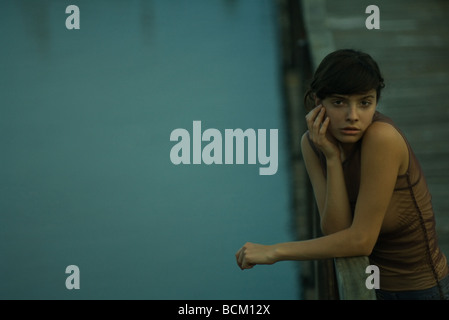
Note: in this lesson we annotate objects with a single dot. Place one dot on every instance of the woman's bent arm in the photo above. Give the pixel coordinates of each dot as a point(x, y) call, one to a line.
point(344, 243)
point(384, 155)
point(330, 193)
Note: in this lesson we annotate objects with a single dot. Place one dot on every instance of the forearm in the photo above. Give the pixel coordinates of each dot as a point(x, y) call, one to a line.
point(349, 242)
point(336, 213)
point(344, 243)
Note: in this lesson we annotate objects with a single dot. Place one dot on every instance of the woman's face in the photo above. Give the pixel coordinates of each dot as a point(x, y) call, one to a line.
point(350, 115)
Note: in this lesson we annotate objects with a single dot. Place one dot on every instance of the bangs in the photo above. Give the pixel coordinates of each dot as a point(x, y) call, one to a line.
point(344, 72)
point(346, 79)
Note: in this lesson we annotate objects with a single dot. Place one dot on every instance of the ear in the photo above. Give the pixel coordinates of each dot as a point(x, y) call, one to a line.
point(318, 101)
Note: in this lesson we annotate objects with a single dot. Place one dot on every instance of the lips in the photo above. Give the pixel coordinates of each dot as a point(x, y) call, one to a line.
point(350, 130)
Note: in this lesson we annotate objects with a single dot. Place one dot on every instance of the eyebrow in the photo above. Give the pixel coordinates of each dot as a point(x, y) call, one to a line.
point(346, 97)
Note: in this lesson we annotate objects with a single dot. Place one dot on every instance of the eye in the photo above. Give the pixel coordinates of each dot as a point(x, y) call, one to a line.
point(337, 102)
point(366, 103)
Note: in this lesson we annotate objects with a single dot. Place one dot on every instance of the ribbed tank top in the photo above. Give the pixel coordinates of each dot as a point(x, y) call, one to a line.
point(408, 255)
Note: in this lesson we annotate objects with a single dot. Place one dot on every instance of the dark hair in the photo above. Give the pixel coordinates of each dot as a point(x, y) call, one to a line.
point(344, 71)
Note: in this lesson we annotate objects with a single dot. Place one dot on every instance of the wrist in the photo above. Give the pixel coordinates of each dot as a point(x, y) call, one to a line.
point(331, 153)
point(280, 252)
point(333, 159)
point(276, 253)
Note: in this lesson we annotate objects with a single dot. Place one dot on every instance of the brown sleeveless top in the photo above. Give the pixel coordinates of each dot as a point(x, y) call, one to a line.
point(408, 256)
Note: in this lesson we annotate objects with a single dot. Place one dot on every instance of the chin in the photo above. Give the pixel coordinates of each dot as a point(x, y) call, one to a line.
point(349, 139)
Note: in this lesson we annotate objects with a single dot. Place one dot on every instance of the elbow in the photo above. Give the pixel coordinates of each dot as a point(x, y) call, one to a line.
point(359, 243)
point(363, 244)
point(366, 249)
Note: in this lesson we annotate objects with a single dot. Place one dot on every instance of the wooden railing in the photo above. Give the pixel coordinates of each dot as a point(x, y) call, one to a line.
point(351, 279)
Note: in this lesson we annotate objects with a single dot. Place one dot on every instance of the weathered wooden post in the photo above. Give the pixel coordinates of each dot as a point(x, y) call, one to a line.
point(351, 278)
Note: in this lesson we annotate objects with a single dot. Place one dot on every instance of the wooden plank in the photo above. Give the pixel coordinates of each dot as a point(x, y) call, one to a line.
point(351, 278)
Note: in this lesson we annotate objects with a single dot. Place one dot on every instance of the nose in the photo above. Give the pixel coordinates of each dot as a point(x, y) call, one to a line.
point(352, 115)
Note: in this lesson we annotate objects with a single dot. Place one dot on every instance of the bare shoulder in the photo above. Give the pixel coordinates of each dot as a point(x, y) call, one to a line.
point(305, 143)
point(310, 157)
point(383, 139)
point(306, 148)
point(304, 137)
point(383, 133)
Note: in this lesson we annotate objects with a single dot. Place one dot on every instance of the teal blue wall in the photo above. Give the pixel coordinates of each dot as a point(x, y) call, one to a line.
point(85, 171)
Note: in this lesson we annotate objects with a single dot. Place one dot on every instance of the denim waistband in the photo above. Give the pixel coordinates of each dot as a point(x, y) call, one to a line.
point(432, 293)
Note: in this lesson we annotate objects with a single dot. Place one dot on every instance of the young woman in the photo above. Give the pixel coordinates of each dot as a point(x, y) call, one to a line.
point(370, 191)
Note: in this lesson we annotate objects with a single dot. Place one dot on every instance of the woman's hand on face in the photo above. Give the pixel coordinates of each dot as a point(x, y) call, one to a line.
point(317, 125)
point(251, 254)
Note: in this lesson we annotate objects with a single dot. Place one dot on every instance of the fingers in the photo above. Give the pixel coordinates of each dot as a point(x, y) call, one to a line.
point(312, 115)
point(317, 123)
point(324, 126)
point(239, 258)
point(242, 259)
point(314, 118)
